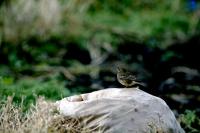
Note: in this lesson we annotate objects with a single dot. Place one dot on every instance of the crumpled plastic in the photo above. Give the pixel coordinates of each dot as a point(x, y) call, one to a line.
point(121, 110)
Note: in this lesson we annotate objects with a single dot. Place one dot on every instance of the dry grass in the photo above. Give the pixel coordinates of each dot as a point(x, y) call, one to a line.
point(40, 118)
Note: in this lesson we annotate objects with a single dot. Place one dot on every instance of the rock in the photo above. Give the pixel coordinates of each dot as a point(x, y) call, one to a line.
point(116, 110)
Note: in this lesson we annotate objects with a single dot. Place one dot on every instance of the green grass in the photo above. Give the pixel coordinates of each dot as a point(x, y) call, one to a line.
point(28, 90)
point(190, 121)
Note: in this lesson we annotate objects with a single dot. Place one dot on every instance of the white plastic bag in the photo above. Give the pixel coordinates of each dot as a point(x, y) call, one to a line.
point(121, 111)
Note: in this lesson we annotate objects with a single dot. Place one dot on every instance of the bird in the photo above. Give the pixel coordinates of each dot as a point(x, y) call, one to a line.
point(126, 78)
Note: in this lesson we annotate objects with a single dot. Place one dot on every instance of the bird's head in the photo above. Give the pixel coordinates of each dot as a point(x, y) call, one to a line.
point(121, 70)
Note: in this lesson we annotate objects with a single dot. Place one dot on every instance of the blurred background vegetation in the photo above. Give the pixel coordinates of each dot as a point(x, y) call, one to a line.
point(58, 48)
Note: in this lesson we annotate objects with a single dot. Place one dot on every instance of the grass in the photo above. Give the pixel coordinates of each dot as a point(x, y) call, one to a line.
point(40, 118)
point(13, 119)
point(190, 121)
point(29, 89)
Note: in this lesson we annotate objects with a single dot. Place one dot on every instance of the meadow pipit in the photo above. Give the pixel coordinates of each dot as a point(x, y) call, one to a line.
point(126, 78)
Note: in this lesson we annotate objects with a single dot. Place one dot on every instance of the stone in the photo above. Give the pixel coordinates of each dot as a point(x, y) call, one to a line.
point(121, 110)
